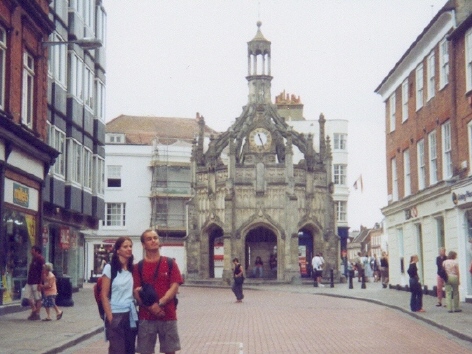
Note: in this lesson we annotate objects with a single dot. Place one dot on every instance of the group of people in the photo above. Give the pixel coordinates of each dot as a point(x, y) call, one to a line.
point(153, 284)
point(371, 268)
point(447, 278)
point(41, 288)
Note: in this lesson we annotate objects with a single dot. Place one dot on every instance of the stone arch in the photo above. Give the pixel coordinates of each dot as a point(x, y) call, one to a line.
point(261, 240)
point(310, 237)
point(212, 235)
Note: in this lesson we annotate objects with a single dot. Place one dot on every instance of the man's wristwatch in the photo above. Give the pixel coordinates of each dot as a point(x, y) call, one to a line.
point(161, 305)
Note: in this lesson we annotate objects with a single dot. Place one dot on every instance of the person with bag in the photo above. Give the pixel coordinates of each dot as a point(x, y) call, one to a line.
point(33, 283)
point(156, 283)
point(416, 300)
point(441, 277)
point(117, 299)
point(451, 266)
point(238, 276)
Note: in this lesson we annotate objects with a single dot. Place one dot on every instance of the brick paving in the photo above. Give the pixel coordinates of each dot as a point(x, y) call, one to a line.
point(271, 319)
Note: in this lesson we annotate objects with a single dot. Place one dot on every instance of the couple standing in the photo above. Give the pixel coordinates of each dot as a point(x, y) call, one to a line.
point(122, 283)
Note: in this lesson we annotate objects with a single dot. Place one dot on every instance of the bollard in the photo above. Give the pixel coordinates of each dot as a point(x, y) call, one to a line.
point(351, 275)
point(332, 278)
point(363, 279)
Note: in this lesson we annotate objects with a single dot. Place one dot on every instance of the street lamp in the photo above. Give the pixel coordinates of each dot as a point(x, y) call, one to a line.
point(85, 43)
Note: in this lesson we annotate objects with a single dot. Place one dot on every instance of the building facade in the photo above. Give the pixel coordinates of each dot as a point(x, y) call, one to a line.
point(25, 156)
point(428, 109)
point(261, 202)
point(147, 185)
point(73, 190)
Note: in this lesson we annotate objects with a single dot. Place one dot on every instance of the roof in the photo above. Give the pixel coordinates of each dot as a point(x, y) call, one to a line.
point(449, 6)
point(141, 130)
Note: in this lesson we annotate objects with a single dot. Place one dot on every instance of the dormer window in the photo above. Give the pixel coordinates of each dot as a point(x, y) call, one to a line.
point(115, 138)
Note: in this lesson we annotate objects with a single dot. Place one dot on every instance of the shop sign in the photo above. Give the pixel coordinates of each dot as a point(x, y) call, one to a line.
point(65, 238)
point(20, 195)
point(462, 196)
point(109, 240)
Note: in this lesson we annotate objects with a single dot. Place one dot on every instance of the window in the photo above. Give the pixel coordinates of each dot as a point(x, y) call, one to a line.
point(88, 87)
point(113, 176)
point(394, 179)
point(57, 140)
point(88, 168)
point(405, 100)
point(340, 141)
point(433, 158)
point(446, 150)
point(406, 173)
point(114, 138)
point(115, 214)
point(431, 76)
point(401, 249)
point(101, 25)
point(392, 111)
point(469, 129)
point(99, 175)
point(100, 100)
point(340, 174)
point(468, 59)
point(76, 77)
point(57, 60)
point(419, 86)
point(443, 63)
point(440, 231)
point(341, 211)
point(3, 55)
point(27, 90)
point(74, 154)
point(421, 165)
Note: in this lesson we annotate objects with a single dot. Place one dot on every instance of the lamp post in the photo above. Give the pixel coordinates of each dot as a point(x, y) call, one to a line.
point(85, 43)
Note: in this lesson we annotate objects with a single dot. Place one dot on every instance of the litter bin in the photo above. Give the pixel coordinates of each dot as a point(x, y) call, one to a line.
point(64, 292)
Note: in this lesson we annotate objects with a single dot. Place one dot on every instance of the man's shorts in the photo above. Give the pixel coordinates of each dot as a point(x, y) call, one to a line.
point(32, 292)
point(168, 336)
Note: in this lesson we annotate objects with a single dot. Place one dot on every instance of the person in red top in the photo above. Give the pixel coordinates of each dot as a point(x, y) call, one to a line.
point(160, 318)
point(32, 287)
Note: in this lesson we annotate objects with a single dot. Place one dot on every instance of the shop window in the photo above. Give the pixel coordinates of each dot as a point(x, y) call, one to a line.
point(102, 255)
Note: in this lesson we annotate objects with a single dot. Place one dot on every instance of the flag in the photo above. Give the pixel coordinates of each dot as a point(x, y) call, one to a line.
point(358, 184)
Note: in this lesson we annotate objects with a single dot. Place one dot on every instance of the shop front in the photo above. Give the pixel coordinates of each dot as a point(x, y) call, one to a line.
point(20, 225)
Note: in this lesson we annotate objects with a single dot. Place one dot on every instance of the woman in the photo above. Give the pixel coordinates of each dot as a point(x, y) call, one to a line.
point(238, 276)
point(451, 266)
point(117, 299)
point(258, 265)
point(416, 301)
point(440, 282)
point(49, 288)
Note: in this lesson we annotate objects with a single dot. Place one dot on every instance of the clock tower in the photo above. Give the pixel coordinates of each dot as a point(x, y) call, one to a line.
point(251, 199)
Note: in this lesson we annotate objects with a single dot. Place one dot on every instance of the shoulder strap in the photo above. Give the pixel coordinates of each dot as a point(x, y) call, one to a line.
point(141, 265)
point(170, 264)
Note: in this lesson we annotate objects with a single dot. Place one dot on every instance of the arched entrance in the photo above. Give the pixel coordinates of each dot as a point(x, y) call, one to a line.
point(261, 242)
point(215, 252)
point(305, 252)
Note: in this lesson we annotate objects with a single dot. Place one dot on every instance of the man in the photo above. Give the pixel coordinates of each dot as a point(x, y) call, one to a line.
point(160, 318)
point(317, 263)
point(33, 283)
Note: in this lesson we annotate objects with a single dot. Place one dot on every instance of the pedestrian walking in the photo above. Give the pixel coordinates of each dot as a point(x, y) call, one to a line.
point(441, 275)
point(359, 266)
point(451, 266)
point(33, 283)
point(49, 289)
point(117, 299)
point(317, 262)
point(416, 300)
point(384, 269)
point(238, 280)
point(156, 283)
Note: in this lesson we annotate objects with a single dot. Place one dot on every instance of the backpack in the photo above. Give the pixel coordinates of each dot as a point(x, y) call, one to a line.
point(170, 265)
point(97, 292)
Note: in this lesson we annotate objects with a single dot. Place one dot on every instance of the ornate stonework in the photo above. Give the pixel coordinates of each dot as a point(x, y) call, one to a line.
point(258, 202)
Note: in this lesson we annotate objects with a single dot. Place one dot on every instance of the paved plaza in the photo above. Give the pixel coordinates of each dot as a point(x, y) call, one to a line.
point(271, 319)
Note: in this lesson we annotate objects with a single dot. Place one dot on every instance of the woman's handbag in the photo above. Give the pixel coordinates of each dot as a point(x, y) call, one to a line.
point(239, 280)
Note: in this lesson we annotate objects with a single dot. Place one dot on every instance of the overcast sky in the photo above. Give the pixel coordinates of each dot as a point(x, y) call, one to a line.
point(176, 58)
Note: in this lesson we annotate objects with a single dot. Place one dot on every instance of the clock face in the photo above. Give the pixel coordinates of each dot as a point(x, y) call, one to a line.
point(260, 139)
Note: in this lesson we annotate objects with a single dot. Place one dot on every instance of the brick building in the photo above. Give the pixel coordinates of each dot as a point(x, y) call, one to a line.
point(428, 106)
point(25, 156)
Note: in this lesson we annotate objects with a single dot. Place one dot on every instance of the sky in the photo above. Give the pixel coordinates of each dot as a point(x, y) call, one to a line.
point(176, 58)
